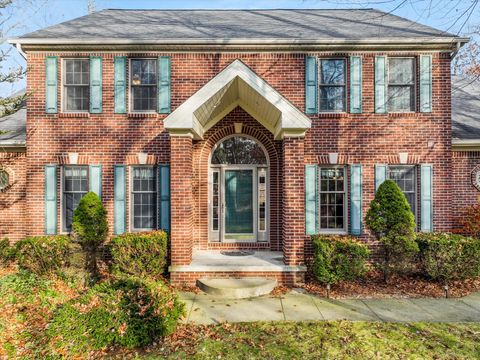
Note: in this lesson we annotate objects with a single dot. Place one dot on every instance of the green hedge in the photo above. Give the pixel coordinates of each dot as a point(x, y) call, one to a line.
point(446, 257)
point(42, 254)
point(338, 258)
point(7, 252)
point(130, 312)
point(140, 254)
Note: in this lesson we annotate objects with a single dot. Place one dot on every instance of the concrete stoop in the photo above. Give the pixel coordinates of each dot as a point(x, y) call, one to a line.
point(237, 288)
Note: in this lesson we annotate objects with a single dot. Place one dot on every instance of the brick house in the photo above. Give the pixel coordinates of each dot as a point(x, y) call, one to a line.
point(235, 130)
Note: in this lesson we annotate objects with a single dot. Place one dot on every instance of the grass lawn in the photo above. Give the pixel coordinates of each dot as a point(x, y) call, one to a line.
point(27, 302)
point(317, 340)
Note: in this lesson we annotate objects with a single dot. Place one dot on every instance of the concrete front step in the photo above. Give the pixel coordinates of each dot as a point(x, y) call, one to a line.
point(237, 288)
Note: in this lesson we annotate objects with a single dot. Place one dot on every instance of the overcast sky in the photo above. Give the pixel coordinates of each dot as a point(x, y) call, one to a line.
point(456, 16)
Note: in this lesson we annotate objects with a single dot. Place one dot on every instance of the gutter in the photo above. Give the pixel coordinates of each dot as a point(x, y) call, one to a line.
point(18, 45)
point(466, 144)
point(240, 41)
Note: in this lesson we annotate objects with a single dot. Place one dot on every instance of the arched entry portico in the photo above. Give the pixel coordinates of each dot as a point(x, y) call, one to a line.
point(238, 191)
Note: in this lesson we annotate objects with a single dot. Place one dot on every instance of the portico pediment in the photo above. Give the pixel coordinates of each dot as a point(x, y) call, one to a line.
point(237, 85)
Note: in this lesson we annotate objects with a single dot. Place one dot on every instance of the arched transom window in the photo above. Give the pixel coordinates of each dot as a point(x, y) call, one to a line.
point(239, 150)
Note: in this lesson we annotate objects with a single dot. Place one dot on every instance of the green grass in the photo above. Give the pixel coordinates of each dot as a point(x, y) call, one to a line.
point(324, 340)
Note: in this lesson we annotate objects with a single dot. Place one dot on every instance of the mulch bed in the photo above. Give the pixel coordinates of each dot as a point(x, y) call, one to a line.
point(373, 286)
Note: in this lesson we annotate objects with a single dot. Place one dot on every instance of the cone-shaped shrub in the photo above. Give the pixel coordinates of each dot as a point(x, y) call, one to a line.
point(90, 228)
point(392, 222)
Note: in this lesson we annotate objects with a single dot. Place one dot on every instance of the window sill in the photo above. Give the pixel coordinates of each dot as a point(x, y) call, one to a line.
point(332, 232)
point(74, 115)
point(332, 115)
point(142, 115)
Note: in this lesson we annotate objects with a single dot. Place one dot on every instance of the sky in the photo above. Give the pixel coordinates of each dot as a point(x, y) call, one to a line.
point(455, 16)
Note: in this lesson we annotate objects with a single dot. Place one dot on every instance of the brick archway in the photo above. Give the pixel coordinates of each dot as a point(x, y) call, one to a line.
point(201, 155)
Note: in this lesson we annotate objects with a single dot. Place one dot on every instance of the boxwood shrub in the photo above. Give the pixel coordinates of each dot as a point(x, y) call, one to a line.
point(43, 254)
point(140, 254)
point(7, 252)
point(445, 257)
point(338, 258)
point(129, 312)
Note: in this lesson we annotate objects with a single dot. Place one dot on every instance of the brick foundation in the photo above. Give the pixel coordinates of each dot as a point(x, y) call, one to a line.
point(283, 278)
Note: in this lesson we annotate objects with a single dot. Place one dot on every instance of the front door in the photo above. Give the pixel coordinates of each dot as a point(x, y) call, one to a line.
point(238, 195)
point(238, 204)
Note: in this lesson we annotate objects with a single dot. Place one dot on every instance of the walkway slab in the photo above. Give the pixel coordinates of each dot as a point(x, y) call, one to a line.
point(208, 310)
point(448, 310)
point(354, 310)
point(296, 306)
point(398, 310)
point(300, 307)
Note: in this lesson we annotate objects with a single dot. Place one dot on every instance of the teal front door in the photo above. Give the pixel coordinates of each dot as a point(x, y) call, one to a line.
point(239, 204)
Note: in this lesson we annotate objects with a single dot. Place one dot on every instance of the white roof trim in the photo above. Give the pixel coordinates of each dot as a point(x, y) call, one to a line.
point(292, 122)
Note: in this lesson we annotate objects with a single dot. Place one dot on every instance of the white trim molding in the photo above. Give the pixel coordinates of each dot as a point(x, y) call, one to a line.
point(466, 144)
point(189, 118)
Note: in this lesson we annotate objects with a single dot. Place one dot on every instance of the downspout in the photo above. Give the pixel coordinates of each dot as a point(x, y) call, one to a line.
point(19, 48)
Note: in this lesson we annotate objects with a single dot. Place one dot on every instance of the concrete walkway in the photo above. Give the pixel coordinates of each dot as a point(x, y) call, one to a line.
point(299, 306)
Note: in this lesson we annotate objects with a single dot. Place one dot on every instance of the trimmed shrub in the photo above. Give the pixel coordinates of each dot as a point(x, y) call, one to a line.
point(7, 252)
point(338, 258)
point(445, 257)
point(43, 254)
point(90, 228)
point(130, 312)
point(390, 219)
point(140, 254)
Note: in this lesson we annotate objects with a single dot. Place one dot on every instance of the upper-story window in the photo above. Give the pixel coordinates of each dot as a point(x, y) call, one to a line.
point(143, 82)
point(332, 85)
point(76, 84)
point(401, 84)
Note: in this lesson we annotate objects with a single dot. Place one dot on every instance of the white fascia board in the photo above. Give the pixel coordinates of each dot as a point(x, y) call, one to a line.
point(237, 41)
point(182, 117)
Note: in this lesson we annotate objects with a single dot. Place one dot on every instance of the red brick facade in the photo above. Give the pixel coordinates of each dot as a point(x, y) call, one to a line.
point(12, 198)
point(109, 139)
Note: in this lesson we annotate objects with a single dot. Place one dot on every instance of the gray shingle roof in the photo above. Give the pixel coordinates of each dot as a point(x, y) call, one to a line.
point(15, 125)
point(254, 25)
point(465, 109)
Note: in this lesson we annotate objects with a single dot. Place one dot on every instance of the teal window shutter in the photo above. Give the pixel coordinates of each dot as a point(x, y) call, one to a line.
point(163, 212)
point(95, 85)
point(50, 199)
point(96, 179)
point(119, 199)
point(120, 84)
point(426, 83)
point(380, 175)
point(164, 85)
point(311, 88)
point(381, 84)
point(356, 84)
point(311, 199)
point(426, 198)
point(51, 80)
point(356, 199)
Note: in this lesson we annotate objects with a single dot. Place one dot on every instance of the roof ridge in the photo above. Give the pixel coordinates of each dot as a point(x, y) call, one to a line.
point(264, 9)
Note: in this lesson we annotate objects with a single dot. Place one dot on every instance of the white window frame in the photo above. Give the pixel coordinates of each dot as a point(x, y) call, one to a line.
point(130, 92)
point(345, 201)
point(63, 209)
point(130, 197)
point(415, 69)
point(63, 93)
point(319, 85)
point(415, 184)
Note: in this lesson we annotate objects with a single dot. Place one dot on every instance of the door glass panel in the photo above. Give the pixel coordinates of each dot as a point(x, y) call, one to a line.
point(262, 199)
point(215, 200)
point(239, 201)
